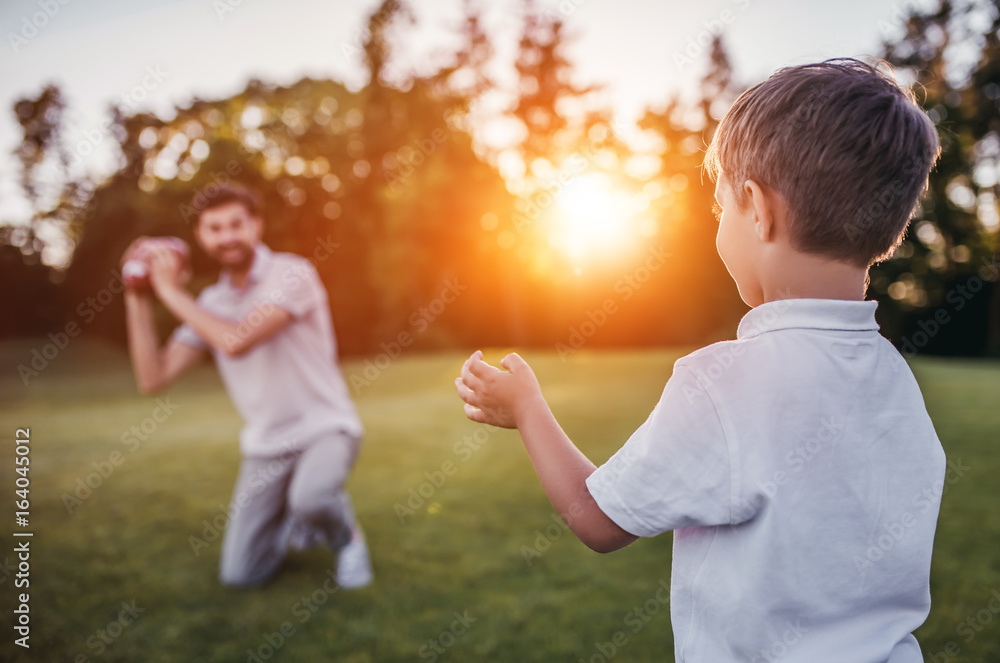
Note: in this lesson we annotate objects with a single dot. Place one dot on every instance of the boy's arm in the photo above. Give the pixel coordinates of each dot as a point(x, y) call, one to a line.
point(513, 399)
point(228, 337)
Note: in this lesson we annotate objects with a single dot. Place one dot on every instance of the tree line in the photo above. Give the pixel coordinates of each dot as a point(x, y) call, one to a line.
point(389, 192)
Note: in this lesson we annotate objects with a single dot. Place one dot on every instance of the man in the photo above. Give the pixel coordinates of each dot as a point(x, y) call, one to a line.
point(267, 324)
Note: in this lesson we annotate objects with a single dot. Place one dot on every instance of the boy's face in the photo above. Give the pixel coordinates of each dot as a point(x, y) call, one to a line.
point(228, 234)
point(737, 241)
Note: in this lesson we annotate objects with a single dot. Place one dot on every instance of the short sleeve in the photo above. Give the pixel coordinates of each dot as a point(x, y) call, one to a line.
point(297, 287)
point(675, 471)
point(185, 333)
point(188, 336)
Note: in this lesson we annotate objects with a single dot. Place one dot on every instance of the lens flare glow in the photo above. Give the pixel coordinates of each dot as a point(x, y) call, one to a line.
point(593, 218)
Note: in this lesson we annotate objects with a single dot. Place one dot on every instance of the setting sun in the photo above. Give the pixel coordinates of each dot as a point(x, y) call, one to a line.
point(593, 217)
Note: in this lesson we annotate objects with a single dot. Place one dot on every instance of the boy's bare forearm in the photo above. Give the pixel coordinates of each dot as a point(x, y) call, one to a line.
point(513, 399)
point(562, 470)
point(560, 466)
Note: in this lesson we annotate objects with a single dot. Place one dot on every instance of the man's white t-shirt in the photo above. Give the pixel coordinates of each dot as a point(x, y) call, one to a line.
point(802, 477)
point(289, 388)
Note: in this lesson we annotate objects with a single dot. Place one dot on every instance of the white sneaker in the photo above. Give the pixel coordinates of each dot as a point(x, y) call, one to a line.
point(354, 567)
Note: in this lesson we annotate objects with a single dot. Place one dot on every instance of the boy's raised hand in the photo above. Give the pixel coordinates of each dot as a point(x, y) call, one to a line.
point(497, 397)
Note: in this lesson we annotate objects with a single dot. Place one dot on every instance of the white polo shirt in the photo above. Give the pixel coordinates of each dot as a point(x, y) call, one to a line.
point(289, 388)
point(802, 477)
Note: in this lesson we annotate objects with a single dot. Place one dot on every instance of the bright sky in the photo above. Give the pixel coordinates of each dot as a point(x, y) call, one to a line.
point(161, 53)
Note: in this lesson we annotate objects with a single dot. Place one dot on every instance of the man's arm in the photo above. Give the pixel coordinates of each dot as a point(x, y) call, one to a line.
point(513, 399)
point(154, 369)
point(232, 338)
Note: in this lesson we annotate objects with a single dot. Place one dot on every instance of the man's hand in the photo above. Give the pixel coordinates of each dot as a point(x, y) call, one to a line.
point(132, 249)
point(497, 397)
point(166, 269)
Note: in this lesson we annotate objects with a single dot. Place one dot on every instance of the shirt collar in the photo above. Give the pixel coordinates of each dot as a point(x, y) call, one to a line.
point(258, 268)
point(831, 314)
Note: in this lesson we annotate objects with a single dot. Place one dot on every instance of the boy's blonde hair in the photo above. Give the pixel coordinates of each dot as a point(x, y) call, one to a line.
point(848, 149)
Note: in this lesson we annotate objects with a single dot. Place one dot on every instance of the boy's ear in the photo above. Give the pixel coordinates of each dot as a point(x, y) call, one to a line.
point(762, 206)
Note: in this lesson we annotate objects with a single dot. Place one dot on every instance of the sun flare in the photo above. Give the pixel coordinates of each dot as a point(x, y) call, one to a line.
point(593, 218)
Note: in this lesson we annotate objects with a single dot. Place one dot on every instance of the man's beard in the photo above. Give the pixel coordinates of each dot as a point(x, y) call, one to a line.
point(226, 256)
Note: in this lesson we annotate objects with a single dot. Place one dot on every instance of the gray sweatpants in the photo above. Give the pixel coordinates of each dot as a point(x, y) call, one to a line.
point(274, 497)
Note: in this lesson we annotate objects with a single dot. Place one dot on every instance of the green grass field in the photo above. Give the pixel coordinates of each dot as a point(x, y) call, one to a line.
point(452, 579)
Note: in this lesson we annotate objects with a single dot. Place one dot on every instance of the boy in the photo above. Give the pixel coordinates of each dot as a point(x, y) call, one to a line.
point(267, 324)
point(797, 465)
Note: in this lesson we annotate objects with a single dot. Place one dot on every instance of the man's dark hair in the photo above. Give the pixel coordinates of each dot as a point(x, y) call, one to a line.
point(213, 196)
point(847, 148)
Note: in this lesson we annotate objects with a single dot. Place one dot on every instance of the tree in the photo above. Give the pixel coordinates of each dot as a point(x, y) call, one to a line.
point(27, 254)
point(380, 187)
point(54, 195)
point(700, 286)
point(956, 234)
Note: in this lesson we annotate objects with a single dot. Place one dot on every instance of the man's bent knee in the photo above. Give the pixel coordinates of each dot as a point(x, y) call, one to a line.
point(316, 508)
